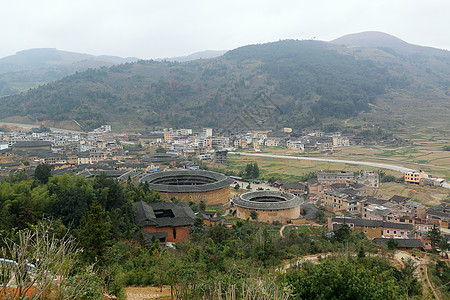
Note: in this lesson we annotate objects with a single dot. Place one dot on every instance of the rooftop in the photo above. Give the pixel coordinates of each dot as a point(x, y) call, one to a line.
point(186, 181)
point(163, 214)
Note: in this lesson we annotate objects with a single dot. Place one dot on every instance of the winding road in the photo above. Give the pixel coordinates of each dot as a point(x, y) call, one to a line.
point(352, 162)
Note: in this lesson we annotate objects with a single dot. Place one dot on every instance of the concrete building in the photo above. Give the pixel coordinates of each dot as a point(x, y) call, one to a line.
point(330, 177)
point(414, 177)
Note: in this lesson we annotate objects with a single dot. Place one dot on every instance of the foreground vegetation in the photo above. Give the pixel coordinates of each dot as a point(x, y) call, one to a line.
point(95, 217)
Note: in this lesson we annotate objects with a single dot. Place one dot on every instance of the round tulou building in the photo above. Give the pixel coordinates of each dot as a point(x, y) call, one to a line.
point(191, 185)
point(270, 205)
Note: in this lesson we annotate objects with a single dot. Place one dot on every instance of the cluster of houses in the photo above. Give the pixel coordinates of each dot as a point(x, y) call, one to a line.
point(351, 199)
point(308, 140)
point(101, 150)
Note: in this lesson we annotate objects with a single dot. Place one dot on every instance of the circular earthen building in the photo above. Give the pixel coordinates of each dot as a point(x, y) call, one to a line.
point(189, 185)
point(270, 206)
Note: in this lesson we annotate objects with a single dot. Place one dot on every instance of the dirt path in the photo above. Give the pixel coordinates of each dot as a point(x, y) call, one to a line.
point(145, 293)
point(429, 282)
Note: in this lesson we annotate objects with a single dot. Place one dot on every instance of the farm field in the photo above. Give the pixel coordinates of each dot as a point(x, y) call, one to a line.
point(427, 156)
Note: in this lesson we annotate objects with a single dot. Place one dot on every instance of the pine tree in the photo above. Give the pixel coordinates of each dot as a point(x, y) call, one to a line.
point(434, 234)
point(94, 234)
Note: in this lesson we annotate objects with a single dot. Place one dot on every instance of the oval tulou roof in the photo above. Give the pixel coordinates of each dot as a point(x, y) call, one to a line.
point(208, 181)
point(281, 200)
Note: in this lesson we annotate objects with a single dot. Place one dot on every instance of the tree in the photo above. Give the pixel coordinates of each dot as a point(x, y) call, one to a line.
point(255, 169)
point(94, 234)
point(361, 253)
point(254, 215)
point(237, 186)
point(342, 233)
point(434, 235)
point(392, 244)
point(199, 226)
point(42, 173)
point(249, 187)
point(386, 178)
point(160, 150)
point(202, 206)
point(345, 279)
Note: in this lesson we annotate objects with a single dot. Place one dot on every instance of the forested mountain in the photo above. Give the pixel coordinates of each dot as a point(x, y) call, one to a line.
point(29, 68)
point(376, 39)
point(197, 55)
point(301, 83)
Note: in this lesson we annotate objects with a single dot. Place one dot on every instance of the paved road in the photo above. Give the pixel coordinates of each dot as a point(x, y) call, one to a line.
point(352, 162)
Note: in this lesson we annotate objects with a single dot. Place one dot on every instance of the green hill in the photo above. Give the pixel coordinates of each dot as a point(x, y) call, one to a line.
point(287, 83)
point(33, 67)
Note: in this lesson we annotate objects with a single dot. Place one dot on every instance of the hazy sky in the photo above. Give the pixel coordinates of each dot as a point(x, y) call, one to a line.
point(166, 28)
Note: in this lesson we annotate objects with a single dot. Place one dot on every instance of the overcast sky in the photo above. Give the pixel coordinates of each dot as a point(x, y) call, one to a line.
point(167, 28)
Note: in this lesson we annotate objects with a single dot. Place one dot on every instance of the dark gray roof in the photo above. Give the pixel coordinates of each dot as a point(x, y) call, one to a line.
point(338, 186)
point(310, 211)
point(412, 204)
point(373, 223)
point(160, 157)
point(399, 199)
point(402, 243)
point(108, 173)
point(32, 144)
point(145, 214)
point(294, 186)
point(204, 216)
point(312, 181)
point(281, 200)
point(441, 210)
point(356, 185)
point(206, 181)
point(373, 200)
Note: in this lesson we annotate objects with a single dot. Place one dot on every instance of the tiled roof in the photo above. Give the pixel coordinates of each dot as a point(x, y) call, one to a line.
point(399, 199)
point(294, 186)
point(402, 243)
point(441, 210)
point(373, 223)
point(145, 214)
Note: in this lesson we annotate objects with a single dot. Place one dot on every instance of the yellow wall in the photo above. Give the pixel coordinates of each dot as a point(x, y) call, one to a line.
point(268, 216)
point(213, 197)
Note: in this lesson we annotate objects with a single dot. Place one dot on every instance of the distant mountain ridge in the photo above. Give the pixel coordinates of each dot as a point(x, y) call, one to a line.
point(197, 55)
point(38, 58)
point(289, 83)
point(29, 68)
point(376, 39)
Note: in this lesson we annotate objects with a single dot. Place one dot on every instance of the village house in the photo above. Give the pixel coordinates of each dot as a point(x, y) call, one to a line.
point(338, 202)
point(441, 213)
point(296, 188)
point(167, 221)
point(414, 177)
point(329, 177)
point(373, 228)
point(209, 218)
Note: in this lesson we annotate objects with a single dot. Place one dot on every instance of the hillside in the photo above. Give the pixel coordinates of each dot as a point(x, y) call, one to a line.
point(376, 39)
point(30, 68)
point(197, 55)
point(287, 83)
